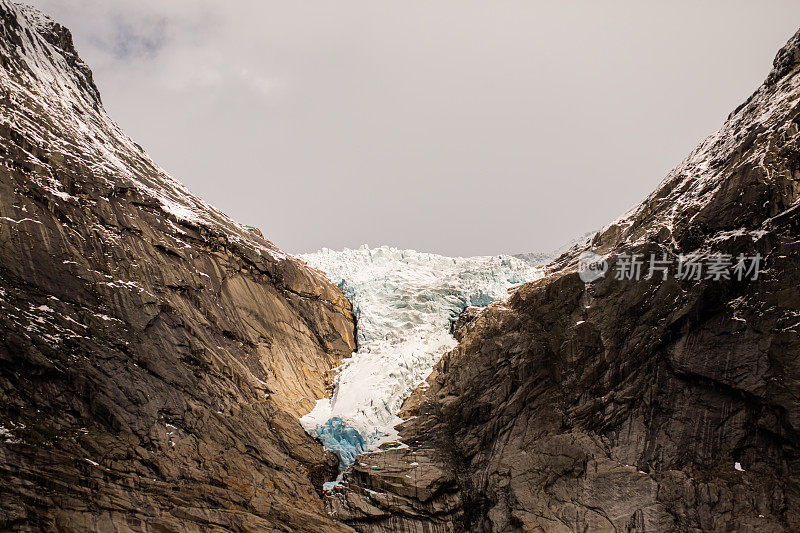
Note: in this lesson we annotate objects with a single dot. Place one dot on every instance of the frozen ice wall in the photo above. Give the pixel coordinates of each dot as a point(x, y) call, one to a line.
point(405, 302)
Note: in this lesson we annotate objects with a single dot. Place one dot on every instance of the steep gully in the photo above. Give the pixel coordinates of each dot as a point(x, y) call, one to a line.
point(156, 356)
point(406, 303)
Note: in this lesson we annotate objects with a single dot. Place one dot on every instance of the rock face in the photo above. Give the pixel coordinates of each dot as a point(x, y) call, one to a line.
point(465, 318)
point(624, 405)
point(154, 355)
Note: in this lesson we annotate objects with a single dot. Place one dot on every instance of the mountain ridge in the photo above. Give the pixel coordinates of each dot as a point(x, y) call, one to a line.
point(626, 404)
point(155, 354)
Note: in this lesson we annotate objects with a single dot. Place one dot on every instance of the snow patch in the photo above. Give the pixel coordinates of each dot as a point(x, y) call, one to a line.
point(7, 436)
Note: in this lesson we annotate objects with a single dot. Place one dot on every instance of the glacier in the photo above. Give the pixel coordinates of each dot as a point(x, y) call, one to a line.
point(404, 302)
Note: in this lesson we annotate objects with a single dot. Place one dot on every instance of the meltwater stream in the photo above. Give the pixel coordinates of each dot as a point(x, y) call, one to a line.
point(404, 302)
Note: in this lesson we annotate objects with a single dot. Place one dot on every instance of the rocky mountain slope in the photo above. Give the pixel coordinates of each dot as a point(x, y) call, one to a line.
point(658, 404)
point(154, 355)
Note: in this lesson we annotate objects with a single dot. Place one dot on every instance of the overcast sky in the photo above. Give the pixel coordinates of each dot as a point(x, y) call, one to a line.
point(456, 127)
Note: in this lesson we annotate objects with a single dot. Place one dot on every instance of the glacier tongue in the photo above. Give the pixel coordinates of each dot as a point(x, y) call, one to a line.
point(404, 302)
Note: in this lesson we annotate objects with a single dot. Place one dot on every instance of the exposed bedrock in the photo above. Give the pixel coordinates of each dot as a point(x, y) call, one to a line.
point(623, 405)
point(154, 355)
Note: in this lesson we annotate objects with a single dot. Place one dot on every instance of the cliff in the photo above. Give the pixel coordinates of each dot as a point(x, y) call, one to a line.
point(154, 354)
point(661, 404)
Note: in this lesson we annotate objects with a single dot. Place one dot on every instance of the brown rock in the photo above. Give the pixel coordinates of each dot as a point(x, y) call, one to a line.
point(154, 354)
point(652, 405)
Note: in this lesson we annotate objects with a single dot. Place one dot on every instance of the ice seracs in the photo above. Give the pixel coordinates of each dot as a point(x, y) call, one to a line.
point(405, 302)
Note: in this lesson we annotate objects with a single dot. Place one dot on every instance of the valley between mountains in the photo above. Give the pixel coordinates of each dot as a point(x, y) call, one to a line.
point(165, 368)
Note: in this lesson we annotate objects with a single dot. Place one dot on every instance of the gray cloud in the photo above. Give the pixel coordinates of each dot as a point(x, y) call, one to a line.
point(129, 40)
point(458, 127)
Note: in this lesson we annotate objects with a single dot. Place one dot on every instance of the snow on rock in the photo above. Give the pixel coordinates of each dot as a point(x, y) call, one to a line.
point(63, 115)
point(405, 302)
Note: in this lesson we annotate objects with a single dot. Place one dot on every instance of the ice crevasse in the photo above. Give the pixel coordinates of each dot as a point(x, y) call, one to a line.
point(404, 302)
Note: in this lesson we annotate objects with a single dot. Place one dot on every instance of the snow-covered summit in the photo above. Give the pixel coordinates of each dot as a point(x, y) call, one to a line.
point(405, 302)
point(39, 20)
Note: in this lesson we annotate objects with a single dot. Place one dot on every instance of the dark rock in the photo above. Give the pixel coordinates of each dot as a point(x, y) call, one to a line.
point(465, 318)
